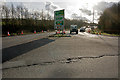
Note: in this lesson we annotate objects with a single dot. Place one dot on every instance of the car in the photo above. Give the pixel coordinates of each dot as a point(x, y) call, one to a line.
point(82, 29)
point(73, 28)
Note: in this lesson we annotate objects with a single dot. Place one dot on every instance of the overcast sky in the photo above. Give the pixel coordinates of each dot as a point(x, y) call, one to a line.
point(71, 6)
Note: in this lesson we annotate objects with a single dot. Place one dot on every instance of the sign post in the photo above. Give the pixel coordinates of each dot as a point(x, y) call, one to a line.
point(59, 20)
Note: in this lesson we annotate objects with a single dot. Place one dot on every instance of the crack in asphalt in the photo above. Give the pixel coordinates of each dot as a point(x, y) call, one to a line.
point(68, 60)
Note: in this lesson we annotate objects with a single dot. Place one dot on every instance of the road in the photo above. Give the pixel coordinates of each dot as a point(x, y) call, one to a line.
point(82, 55)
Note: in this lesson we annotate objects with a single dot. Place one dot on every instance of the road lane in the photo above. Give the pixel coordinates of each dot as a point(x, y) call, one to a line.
point(99, 38)
point(86, 68)
point(77, 56)
point(11, 52)
point(15, 40)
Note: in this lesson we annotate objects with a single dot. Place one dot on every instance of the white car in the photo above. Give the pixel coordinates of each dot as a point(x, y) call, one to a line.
point(73, 28)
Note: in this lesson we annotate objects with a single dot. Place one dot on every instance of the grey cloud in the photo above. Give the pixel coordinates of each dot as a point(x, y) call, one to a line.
point(50, 6)
point(101, 6)
point(75, 16)
point(87, 12)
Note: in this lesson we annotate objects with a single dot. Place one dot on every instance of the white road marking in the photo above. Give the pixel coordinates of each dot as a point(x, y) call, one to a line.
point(87, 34)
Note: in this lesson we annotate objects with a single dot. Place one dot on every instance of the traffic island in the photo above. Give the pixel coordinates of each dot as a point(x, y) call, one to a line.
point(60, 35)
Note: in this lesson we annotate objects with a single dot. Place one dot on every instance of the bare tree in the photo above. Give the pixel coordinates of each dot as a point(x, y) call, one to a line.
point(5, 12)
point(19, 11)
point(74, 16)
point(36, 15)
point(86, 11)
point(22, 11)
point(26, 13)
point(12, 11)
point(41, 14)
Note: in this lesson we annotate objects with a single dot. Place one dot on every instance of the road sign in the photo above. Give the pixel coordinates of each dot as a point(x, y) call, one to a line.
point(59, 20)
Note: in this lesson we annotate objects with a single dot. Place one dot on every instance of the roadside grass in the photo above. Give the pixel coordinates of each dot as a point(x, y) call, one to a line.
point(19, 34)
point(107, 34)
point(25, 33)
point(99, 32)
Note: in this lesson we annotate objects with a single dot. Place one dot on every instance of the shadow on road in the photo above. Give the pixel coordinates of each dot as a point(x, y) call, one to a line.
point(14, 51)
point(62, 72)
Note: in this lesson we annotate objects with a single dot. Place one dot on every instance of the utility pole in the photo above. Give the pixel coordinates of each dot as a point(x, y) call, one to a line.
point(42, 19)
point(80, 14)
point(48, 18)
point(42, 14)
point(48, 14)
point(93, 15)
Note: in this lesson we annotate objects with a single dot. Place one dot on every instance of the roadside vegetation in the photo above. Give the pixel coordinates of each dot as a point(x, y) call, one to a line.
point(16, 19)
point(100, 32)
point(109, 21)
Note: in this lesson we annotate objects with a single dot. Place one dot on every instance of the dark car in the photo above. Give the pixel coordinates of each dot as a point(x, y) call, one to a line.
point(82, 29)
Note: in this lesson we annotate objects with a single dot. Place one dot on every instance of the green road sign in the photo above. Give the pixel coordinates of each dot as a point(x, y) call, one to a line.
point(59, 19)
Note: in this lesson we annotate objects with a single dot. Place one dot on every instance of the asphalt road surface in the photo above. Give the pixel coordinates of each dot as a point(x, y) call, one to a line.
point(82, 55)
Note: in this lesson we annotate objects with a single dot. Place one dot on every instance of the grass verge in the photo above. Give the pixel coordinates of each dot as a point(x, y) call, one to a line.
point(98, 32)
